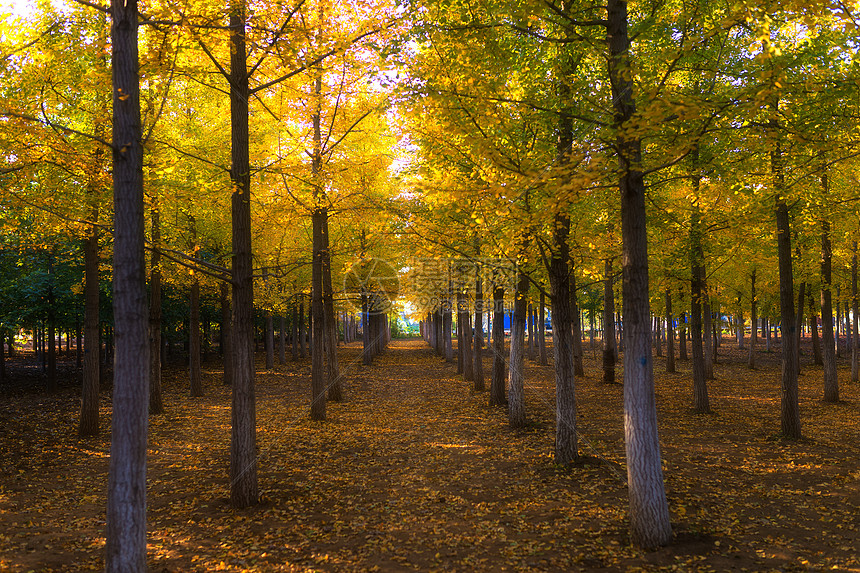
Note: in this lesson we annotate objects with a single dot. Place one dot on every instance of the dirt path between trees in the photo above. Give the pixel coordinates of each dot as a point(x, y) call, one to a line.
point(415, 472)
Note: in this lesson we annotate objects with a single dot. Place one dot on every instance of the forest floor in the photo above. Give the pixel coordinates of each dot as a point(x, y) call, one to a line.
point(414, 471)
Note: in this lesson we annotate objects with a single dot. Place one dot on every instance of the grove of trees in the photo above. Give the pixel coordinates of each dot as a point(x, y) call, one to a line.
point(665, 171)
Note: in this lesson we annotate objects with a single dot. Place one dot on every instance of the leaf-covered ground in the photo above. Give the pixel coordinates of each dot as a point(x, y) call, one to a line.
point(415, 472)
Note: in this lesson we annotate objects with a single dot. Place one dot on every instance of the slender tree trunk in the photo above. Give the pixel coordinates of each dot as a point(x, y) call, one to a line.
point(531, 331)
point(542, 330)
point(649, 510)
point(282, 340)
point(302, 327)
point(478, 367)
point(194, 340)
point(855, 341)
point(566, 438)
point(52, 385)
point(446, 328)
point(610, 354)
point(670, 334)
point(366, 354)
point(318, 382)
point(270, 330)
point(831, 383)
point(709, 339)
point(790, 408)
point(699, 332)
point(516, 386)
point(125, 549)
point(89, 418)
point(497, 385)
point(465, 349)
point(576, 315)
point(801, 301)
point(226, 333)
point(243, 437)
point(753, 322)
point(333, 378)
point(156, 401)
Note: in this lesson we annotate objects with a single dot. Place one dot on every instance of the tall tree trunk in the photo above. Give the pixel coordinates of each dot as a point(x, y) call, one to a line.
point(194, 340)
point(542, 329)
point(699, 333)
point(801, 301)
point(790, 408)
point(318, 381)
point(447, 343)
point(753, 322)
point(52, 330)
point(813, 328)
point(649, 510)
point(478, 367)
point(156, 401)
point(302, 326)
point(270, 330)
point(497, 385)
point(243, 437)
point(282, 340)
point(709, 337)
point(670, 334)
point(516, 386)
point(576, 315)
point(610, 354)
point(831, 383)
point(89, 418)
point(366, 354)
point(294, 332)
point(226, 333)
point(530, 326)
point(855, 341)
point(566, 439)
point(125, 549)
point(465, 348)
point(333, 378)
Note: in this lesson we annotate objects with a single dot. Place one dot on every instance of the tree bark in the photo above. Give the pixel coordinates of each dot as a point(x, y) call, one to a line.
point(243, 436)
point(753, 322)
point(516, 386)
point(699, 335)
point(497, 385)
point(478, 367)
point(226, 333)
point(670, 334)
point(318, 382)
point(576, 316)
point(789, 404)
point(89, 418)
point(156, 401)
point(566, 438)
point(194, 340)
point(333, 378)
point(855, 346)
point(610, 354)
point(831, 383)
point(649, 510)
point(270, 330)
point(465, 346)
point(125, 549)
point(542, 330)
point(282, 340)
point(801, 301)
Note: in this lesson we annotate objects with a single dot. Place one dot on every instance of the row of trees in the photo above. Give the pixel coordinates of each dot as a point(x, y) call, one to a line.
point(546, 131)
point(540, 134)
